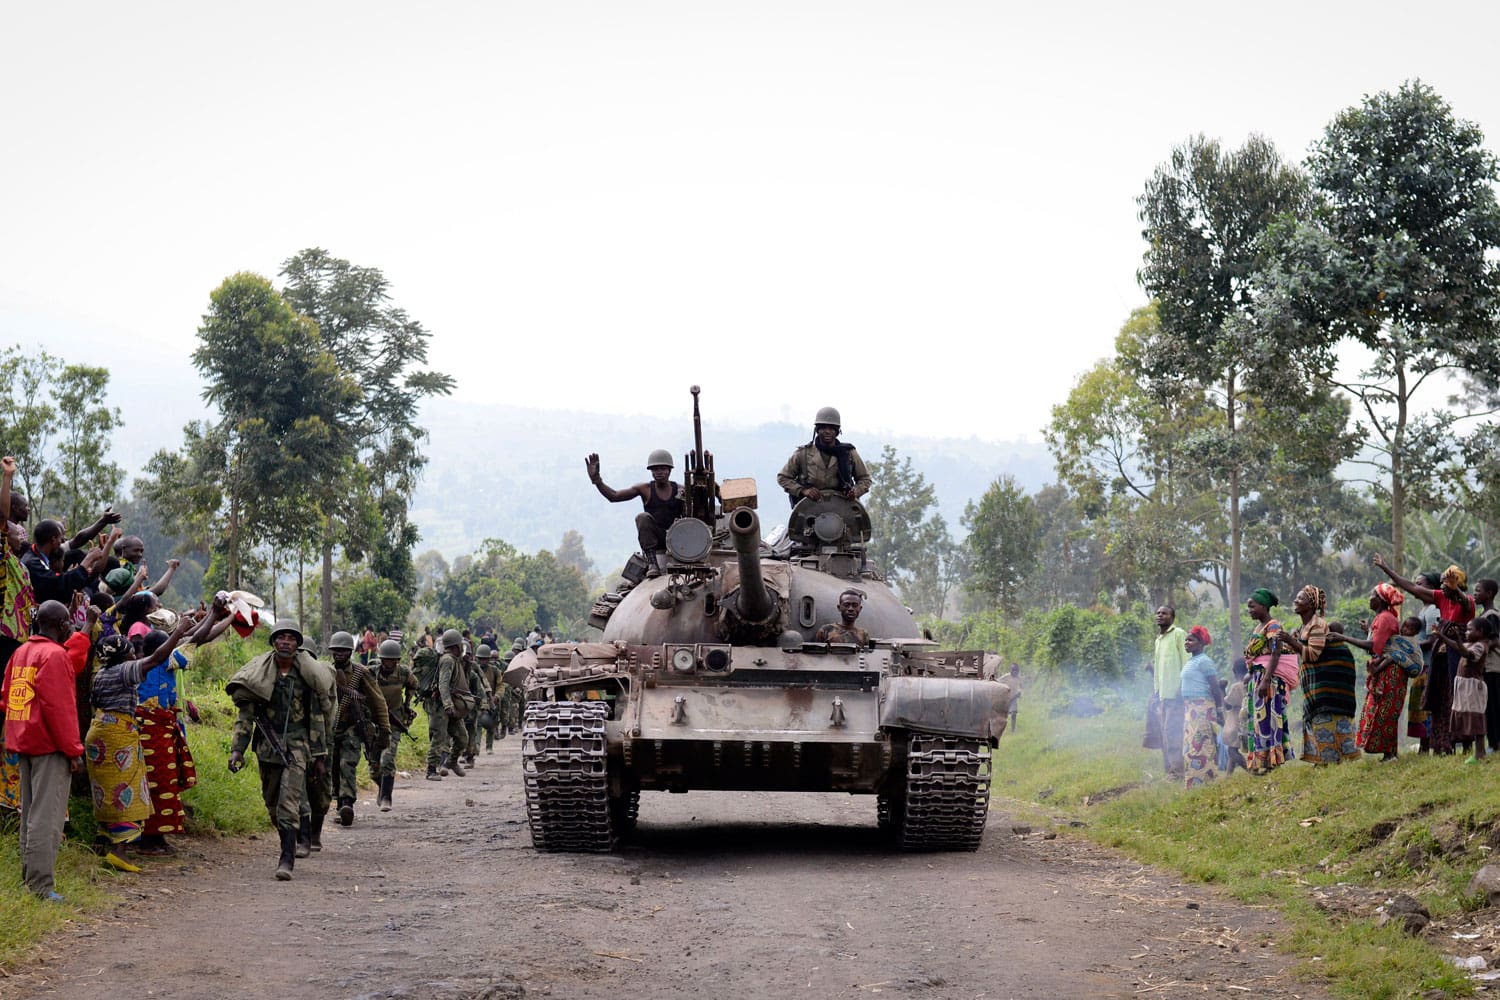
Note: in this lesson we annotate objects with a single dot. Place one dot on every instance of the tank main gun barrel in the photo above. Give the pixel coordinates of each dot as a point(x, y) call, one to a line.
point(756, 604)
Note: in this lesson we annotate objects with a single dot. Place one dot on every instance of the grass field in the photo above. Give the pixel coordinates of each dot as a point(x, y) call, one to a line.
point(1419, 825)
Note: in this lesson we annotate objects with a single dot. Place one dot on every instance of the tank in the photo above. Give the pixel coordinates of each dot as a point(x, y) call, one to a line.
point(707, 677)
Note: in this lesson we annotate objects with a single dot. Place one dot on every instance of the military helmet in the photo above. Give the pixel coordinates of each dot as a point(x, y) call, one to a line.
point(390, 649)
point(452, 637)
point(341, 640)
point(660, 456)
point(518, 645)
point(287, 625)
point(828, 415)
point(484, 652)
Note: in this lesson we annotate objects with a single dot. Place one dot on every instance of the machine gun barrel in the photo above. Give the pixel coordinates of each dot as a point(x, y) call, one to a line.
point(697, 463)
point(756, 604)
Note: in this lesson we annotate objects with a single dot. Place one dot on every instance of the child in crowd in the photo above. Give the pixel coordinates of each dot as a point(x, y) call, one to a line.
point(1469, 692)
point(1233, 736)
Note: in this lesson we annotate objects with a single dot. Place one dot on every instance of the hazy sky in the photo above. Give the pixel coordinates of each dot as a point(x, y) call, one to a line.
point(922, 213)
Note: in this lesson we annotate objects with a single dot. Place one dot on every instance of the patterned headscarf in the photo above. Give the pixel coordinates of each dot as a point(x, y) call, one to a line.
point(1390, 594)
point(1201, 634)
point(1459, 577)
point(1316, 596)
point(113, 649)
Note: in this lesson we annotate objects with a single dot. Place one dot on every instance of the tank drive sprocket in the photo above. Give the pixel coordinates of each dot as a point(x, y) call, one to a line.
point(565, 766)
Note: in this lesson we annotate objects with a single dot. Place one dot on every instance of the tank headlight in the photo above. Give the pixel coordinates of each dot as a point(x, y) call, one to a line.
point(716, 658)
point(683, 660)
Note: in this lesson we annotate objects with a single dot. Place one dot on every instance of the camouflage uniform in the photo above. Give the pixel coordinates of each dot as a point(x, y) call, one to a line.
point(839, 632)
point(495, 690)
point(447, 737)
point(395, 688)
point(810, 467)
point(361, 708)
point(292, 714)
point(481, 692)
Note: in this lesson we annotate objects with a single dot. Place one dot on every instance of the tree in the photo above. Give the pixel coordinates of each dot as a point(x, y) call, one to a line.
point(379, 348)
point(1003, 529)
point(370, 601)
point(1400, 259)
point(284, 416)
point(1206, 211)
point(909, 540)
point(80, 479)
point(26, 414)
point(570, 552)
point(1072, 550)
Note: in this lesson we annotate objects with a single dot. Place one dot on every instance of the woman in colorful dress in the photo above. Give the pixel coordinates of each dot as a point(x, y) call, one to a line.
point(1385, 680)
point(112, 748)
point(1327, 679)
point(170, 769)
point(1273, 673)
point(1202, 703)
point(1455, 609)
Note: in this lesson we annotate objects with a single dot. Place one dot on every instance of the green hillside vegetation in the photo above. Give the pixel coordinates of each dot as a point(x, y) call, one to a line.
point(1421, 826)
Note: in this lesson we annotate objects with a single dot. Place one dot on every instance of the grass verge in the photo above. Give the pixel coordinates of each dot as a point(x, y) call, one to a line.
point(1420, 826)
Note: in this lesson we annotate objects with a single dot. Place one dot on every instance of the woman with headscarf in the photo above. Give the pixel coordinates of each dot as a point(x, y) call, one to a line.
point(1273, 673)
point(1469, 694)
point(1327, 678)
point(1385, 680)
point(1202, 702)
point(1455, 609)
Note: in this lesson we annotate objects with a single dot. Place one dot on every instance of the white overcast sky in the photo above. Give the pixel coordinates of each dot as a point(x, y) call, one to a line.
point(923, 213)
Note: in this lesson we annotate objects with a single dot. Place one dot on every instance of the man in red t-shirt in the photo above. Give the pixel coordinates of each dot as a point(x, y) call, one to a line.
point(41, 725)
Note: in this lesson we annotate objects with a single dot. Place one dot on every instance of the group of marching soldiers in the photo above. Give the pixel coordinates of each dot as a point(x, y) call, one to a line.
point(464, 692)
point(309, 725)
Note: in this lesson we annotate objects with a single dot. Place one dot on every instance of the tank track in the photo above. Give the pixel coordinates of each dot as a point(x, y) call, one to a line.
point(564, 764)
point(947, 794)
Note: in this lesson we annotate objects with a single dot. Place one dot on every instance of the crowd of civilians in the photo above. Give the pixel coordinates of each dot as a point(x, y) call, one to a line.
point(90, 659)
point(1440, 665)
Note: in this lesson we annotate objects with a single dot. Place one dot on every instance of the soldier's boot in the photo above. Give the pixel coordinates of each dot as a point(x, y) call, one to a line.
point(452, 764)
point(346, 811)
point(315, 841)
point(387, 786)
point(433, 775)
point(304, 837)
point(653, 569)
point(661, 563)
point(288, 854)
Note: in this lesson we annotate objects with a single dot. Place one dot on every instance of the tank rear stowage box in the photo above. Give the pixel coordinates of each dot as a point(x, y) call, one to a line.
point(708, 678)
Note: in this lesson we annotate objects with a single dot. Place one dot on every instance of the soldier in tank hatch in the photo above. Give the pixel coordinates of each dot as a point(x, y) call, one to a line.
point(824, 464)
point(661, 497)
point(851, 603)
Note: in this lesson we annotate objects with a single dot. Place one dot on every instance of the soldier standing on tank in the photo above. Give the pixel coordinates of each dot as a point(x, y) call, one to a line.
point(278, 728)
point(851, 603)
point(446, 734)
point(397, 684)
point(824, 464)
point(362, 709)
point(662, 498)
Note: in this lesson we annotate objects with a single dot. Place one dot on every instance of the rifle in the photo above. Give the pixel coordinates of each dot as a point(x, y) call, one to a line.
point(399, 727)
point(268, 735)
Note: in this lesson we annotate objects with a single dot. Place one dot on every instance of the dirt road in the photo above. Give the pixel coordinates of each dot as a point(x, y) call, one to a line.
point(719, 895)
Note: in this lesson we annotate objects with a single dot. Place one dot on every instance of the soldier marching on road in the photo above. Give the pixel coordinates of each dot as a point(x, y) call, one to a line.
point(489, 715)
point(284, 697)
point(481, 692)
point(447, 702)
point(397, 684)
point(362, 720)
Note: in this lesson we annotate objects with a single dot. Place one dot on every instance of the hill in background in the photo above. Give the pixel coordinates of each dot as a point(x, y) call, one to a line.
point(509, 472)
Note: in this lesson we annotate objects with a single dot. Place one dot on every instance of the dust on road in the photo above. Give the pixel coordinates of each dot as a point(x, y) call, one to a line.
point(734, 895)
